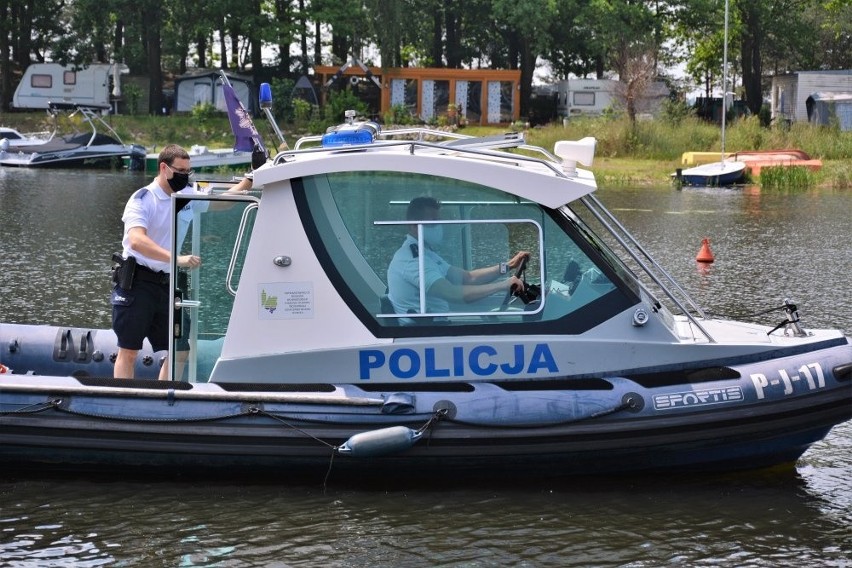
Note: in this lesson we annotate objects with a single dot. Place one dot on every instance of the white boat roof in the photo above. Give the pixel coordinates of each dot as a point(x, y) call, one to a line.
point(543, 181)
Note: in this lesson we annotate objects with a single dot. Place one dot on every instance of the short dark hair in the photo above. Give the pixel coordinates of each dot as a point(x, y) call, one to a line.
point(418, 207)
point(172, 152)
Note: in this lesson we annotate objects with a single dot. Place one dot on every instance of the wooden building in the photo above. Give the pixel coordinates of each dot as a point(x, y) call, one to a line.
point(478, 96)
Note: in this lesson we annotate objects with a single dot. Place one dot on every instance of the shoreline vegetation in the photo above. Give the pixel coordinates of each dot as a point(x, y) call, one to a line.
point(645, 153)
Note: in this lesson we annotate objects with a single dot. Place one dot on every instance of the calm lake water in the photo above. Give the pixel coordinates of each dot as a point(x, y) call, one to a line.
point(59, 228)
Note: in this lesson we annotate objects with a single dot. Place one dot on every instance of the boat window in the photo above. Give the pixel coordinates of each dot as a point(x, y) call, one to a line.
point(218, 232)
point(377, 257)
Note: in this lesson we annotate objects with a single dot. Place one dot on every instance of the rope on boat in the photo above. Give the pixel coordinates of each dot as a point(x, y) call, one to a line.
point(31, 409)
point(753, 315)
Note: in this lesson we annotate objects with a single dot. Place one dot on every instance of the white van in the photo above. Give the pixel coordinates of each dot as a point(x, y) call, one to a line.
point(45, 83)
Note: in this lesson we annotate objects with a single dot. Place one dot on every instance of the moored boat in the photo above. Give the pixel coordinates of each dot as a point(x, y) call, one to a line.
point(90, 150)
point(301, 359)
point(756, 160)
point(206, 159)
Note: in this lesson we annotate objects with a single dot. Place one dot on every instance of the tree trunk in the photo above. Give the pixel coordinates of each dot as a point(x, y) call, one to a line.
point(339, 48)
point(5, 61)
point(303, 26)
point(453, 41)
point(528, 58)
point(235, 51)
point(223, 46)
point(437, 41)
point(201, 47)
point(151, 21)
point(750, 56)
point(317, 44)
point(22, 13)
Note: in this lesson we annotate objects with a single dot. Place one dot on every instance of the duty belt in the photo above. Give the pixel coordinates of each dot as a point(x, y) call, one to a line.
point(148, 275)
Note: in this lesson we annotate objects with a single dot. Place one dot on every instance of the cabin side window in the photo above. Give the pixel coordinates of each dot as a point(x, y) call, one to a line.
point(408, 252)
point(69, 78)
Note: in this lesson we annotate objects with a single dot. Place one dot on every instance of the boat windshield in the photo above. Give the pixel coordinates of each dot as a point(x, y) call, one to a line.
point(385, 256)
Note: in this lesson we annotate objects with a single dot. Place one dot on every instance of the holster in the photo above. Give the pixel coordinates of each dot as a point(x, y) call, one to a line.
point(124, 271)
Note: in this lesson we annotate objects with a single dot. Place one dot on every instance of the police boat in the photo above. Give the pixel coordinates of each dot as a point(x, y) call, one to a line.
point(294, 352)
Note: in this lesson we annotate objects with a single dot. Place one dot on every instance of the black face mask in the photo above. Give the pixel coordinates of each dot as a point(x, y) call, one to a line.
point(178, 181)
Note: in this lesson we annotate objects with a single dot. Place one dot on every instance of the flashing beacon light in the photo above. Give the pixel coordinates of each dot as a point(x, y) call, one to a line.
point(265, 95)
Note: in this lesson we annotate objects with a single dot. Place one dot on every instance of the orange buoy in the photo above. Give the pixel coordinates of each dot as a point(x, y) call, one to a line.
point(705, 255)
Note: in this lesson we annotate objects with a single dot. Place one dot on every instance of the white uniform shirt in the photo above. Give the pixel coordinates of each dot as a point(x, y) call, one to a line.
point(150, 208)
point(404, 279)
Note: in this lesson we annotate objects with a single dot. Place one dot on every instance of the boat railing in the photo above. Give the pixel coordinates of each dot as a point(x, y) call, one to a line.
point(488, 147)
point(660, 276)
point(91, 114)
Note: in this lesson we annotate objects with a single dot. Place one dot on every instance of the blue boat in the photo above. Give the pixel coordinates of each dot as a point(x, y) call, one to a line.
point(305, 360)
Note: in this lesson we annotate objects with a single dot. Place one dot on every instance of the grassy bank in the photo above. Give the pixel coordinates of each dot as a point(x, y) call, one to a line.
point(644, 153)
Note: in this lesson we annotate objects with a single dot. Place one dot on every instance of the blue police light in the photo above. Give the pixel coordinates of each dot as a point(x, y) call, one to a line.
point(265, 95)
point(346, 138)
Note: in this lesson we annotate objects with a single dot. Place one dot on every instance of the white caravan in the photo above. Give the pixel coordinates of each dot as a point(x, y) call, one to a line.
point(591, 97)
point(45, 83)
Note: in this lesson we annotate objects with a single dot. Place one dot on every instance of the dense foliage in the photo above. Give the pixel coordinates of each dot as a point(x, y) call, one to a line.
point(282, 39)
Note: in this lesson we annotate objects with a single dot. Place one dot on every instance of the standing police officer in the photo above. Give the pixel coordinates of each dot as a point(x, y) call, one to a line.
point(140, 297)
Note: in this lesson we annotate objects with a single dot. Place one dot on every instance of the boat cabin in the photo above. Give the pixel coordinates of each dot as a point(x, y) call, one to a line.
point(306, 270)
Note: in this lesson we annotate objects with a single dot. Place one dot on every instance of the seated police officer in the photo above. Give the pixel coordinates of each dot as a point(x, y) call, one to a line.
point(443, 282)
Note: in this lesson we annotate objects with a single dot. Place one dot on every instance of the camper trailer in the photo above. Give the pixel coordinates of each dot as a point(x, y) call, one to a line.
point(591, 97)
point(577, 97)
point(45, 83)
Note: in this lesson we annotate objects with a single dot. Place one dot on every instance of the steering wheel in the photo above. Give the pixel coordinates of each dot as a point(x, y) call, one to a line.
point(522, 267)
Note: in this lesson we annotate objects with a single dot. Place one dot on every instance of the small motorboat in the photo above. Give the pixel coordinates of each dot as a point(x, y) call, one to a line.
point(94, 149)
point(300, 361)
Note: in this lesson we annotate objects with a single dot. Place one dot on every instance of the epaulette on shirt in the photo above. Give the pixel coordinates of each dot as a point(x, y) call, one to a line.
point(140, 193)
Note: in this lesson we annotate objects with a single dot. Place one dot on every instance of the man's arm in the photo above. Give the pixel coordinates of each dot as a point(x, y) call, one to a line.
point(446, 290)
point(141, 242)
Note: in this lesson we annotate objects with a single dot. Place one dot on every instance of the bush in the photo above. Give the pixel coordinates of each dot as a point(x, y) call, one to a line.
point(675, 112)
point(282, 99)
point(338, 103)
point(398, 114)
point(203, 112)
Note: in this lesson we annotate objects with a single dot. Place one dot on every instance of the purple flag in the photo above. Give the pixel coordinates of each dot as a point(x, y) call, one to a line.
point(245, 134)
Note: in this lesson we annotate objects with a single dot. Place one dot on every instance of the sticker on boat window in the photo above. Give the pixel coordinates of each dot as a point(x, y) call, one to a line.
point(285, 300)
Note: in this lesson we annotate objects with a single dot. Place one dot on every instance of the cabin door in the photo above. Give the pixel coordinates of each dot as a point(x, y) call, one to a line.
point(217, 231)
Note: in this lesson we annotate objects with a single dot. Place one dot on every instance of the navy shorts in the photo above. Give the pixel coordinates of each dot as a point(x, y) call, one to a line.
point(139, 313)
